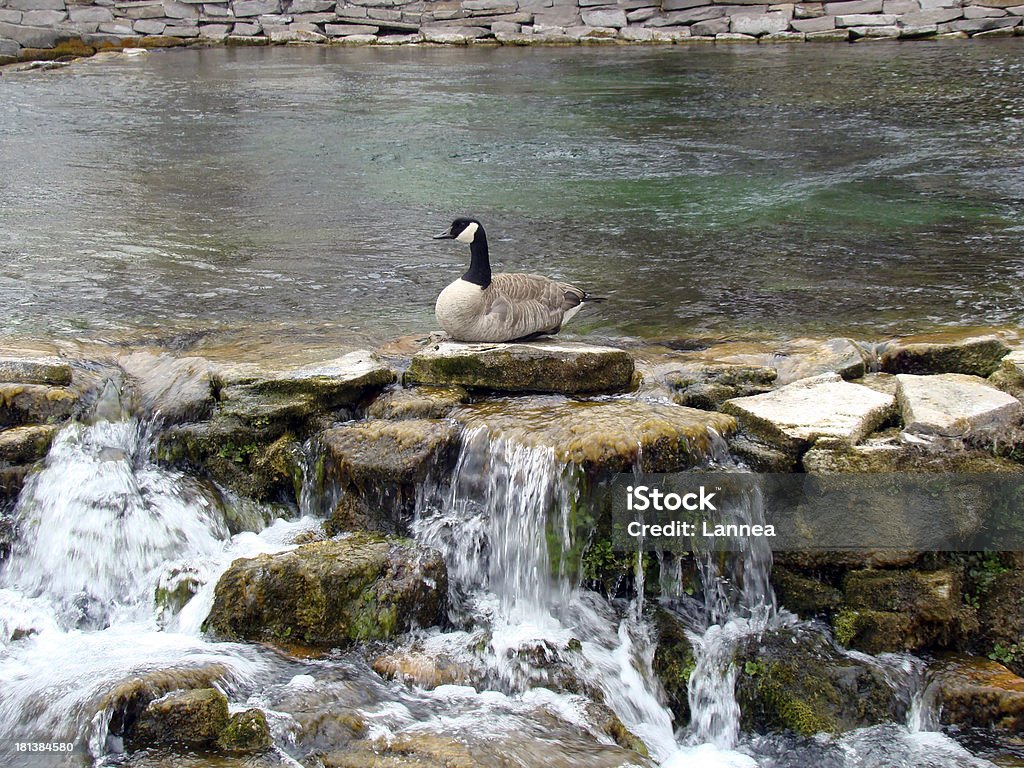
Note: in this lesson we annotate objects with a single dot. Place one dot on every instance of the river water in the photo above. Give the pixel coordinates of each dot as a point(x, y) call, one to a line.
point(290, 193)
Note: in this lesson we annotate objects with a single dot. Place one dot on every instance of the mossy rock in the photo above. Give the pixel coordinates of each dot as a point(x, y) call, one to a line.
point(976, 356)
point(978, 693)
point(923, 595)
point(708, 385)
point(1009, 376)
point(331, 593)
point(417, 403)
point(1001, 618)
point(540, 366)
point(673, 663)
point(807, 597)
point(27, 444)
point(35, 404)
point(605, 436)
point(184, 719)
point(794, 680)
point(35, 370)
point(245, 732)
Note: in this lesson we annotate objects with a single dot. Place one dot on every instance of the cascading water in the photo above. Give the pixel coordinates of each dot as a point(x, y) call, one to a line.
point(99, 526)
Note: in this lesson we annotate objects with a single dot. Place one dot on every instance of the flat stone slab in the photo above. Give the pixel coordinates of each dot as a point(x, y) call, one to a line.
point(977, 356)
point(979, 692)
point(23, 445)
point(540, 366)
point(38, 370)
point(955, 405)
point(610, 435)
point(796, 415)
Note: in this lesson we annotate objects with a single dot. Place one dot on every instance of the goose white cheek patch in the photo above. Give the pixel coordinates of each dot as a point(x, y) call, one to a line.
point(467, 235)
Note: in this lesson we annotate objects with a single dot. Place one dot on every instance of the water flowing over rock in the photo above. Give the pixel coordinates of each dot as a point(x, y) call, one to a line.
point(979, 692)
point(331, 593)
point(956, 405)
point(538, 366)
point(708, 385)
point(606, 435)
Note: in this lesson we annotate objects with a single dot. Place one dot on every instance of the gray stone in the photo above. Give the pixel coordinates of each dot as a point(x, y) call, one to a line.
point(446, 35)
point(977, 355)
point(928, 5)
point(36, 5)
point(983, 25)
point(29, 37)
point(217, 12)
point(274, 20)
point(808, 10)
point(925, 30)
point(899, 7)
point(853, 6)
point(970, 12)
point(827, 36)
point(505, 28)
point(214, 31)
point(793, 417)
point(819, 24)
point(494, 6)
point(641, 14)
point(9, 16)
point(245, 30)
point(955, 405)
point(34, 370)
point(256, 7)
point(1016, 10)
point(760, 25)
point(176, 10)
point(1001, 32)
point(583, 31)
point(43, 18)
point(783, 37)
point(9, 47)
point(147, 11)
point(384, 14)
point(711, 27)
point(558, 16)
point(875, 33)
point(183, 30)
point(637, 34)
point(353, 11)
point(315, 18)
point(310, 6)
point(687, 17)
point(121, 28)
point(681, 5)
point(90, 13)
point(149, 27)
point(934, 16)
point(605, 17)
point(341, 30)
point(866, 20)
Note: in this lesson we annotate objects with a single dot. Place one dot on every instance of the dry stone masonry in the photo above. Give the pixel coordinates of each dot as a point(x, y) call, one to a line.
point(52, 29)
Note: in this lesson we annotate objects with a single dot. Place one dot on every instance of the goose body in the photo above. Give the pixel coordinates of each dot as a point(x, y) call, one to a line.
point(482, 306)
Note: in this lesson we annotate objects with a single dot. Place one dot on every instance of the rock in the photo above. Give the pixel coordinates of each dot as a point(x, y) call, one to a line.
point(955, 405)
point(540, 366)
point(866, 20)
point(183, 719)
point(828, 36)
point(793, 679)
point(710, 28)
point(893, 611)
point(673, 663)
point(38, 370)
point(977, 356)
point(792, 418)
point(340, 30)
point(1001, 617)
point(605, 17)
point(245, 732)
point(817, 24)
point(424, 670)
point(90, 13)
point(886, 453)
point(174, 390)
point(853, 6)
point(982, 25)
point(604, 435)
point(255, 7)
point(979, 693)
point(35, 403)
point(708, 385)
point(417, 403)
point(1009, 376)
point(27, 444)
point(381, 463)
point(807, 597)
point(805, 358)
point(331, 593)
point(29, 37)
point(875, 33)
point(126, 701)
point(761, 24)
point(932, 16)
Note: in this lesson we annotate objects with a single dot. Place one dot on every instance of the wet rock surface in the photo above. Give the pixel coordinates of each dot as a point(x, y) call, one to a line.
point(331, 593)
point(605, 435)
point(188, 719)
point(708, 385)
point(956, 405)
point(976, 356)
point(540, 366)
point(979, 692)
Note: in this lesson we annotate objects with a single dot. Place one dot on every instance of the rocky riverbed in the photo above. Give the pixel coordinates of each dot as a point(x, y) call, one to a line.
point(433, 474)
point(56, 29)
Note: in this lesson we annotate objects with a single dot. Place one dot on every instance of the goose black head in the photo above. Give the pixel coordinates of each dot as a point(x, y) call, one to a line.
point(463, 230)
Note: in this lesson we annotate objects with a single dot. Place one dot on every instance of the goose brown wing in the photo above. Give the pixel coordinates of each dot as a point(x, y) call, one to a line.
point(527, 304)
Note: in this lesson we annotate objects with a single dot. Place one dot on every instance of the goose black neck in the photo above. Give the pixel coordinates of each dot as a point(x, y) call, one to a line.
point(480, 266)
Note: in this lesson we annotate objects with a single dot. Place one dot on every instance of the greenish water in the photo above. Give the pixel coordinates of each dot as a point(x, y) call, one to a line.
point(869, 189)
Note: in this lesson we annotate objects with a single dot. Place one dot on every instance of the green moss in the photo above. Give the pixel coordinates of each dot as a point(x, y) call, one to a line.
point(844, 626)
point(246, 732)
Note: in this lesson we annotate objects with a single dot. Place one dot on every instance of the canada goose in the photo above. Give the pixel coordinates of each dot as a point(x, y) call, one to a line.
point(481, 306)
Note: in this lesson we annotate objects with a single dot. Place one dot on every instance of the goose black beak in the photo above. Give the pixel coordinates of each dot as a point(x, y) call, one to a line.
point(444, 236)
